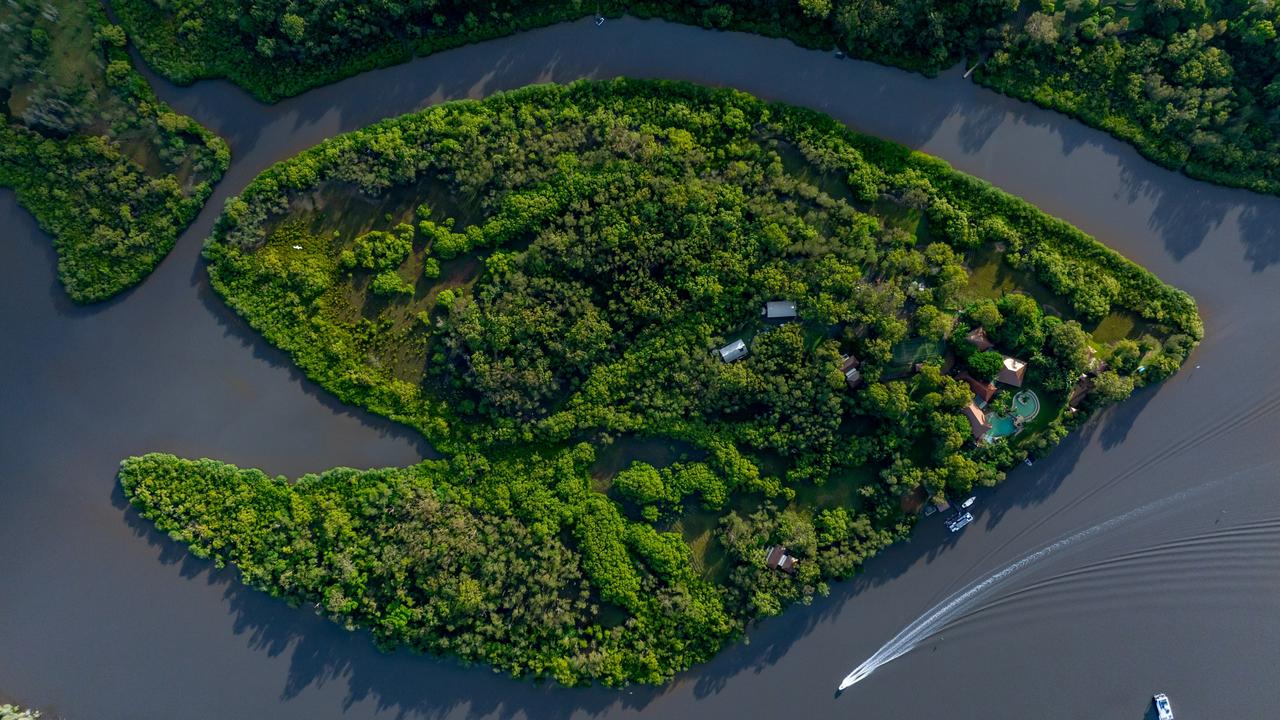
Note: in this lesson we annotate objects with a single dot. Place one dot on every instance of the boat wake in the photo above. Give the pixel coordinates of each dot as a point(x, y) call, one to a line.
point(963, 600)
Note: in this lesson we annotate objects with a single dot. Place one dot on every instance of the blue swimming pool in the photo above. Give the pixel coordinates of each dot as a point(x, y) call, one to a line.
point(1025, 406)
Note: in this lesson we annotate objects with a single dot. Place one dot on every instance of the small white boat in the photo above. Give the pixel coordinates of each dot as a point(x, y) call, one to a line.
point(1163, 709)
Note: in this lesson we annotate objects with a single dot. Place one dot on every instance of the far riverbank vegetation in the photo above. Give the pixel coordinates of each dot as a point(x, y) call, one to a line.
point(1193, 85)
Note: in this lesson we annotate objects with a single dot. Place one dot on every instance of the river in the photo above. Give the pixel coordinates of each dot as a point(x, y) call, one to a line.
point(101, 618)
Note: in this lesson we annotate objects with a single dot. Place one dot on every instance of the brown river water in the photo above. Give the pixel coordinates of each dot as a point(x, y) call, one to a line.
point(101, 618)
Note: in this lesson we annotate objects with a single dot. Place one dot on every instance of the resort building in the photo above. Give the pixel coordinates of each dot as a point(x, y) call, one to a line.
point(776, 558)
point(779, 310)
point(735, 350)
point(982, 391)
point(977, 421)
point(980, 340)
point(1012, 372)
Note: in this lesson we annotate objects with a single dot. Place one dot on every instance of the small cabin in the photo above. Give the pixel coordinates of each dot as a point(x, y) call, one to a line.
point(1012, 372)
point(776, 558)
point(779, 310)
point(735, 350)
point(852, 376)
point(978, 338)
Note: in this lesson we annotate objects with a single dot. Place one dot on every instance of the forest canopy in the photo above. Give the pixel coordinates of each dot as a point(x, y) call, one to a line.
point(548, 285)
point(112, 173)
point(1192, 83)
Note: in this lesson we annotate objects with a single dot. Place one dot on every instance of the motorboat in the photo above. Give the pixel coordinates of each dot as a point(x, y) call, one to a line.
point(969, 503)
point(959, 521)
point(1163, 709)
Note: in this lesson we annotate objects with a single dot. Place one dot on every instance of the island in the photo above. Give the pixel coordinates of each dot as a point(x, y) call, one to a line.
point(688, 357)
point(108, 170)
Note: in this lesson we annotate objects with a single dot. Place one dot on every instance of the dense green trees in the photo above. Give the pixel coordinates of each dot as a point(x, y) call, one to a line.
point(107, 169)
point(593, 245)
point(1193, 85)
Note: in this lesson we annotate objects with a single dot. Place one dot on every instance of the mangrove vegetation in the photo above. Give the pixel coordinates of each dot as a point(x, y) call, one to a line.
point(551, 283)
point(108, 170)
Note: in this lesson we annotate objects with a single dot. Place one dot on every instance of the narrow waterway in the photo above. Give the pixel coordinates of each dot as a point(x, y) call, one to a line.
point(103, 619)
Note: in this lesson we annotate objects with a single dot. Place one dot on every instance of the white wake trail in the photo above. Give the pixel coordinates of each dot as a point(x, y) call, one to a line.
point(947, 610)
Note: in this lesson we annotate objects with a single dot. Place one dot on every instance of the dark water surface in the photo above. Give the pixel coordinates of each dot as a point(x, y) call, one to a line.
point(103, 619)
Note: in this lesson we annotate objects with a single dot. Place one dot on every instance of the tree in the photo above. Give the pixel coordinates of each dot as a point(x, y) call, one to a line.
point(641, 483)
point(1111, 387)
point(817, 9)
point(1042, 28)
point(1022, 329)
point(1068, 344)
point(388, 283)
point(985, 314)
point(985, 365)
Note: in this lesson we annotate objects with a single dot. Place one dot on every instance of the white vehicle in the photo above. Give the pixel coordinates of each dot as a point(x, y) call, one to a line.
point(959, 521)
point(1163, 709)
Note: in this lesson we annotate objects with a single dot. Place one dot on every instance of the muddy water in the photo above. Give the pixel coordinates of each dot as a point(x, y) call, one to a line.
point(102, 618)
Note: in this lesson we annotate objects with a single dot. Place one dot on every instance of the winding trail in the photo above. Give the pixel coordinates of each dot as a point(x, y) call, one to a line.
point(102, 618)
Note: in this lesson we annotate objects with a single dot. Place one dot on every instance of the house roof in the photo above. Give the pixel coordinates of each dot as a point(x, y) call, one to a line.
point(1012, 371)
point(777, 557)
point(847, 363)
point(779, 309)
point(984, 391)
point(735, 350)
point(979, 339)
point(852, 378)
point(977, 420)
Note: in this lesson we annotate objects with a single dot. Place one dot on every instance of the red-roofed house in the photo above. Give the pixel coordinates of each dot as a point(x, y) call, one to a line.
point(984, 391)
point(977, 421)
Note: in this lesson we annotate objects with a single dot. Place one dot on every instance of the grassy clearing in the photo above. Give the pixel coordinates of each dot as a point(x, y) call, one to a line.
point(991, 277)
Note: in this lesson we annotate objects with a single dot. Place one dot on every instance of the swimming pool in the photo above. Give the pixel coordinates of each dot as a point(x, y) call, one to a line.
point(1025, 406)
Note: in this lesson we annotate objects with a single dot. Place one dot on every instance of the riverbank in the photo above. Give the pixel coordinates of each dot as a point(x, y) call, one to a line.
point(1190, 87)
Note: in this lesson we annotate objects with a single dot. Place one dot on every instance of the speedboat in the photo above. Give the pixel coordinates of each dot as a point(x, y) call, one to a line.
point(959, 521)
point(1163, 709)
point(968, 503)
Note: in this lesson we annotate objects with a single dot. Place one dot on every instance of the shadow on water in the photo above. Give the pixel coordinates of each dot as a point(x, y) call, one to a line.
point(321, 652)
